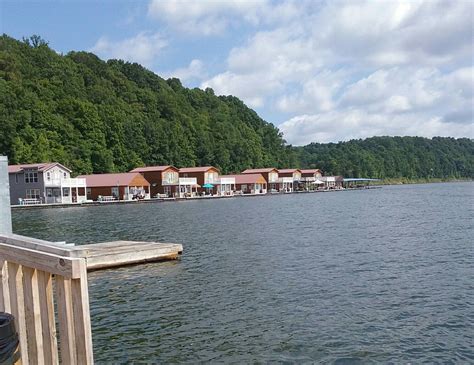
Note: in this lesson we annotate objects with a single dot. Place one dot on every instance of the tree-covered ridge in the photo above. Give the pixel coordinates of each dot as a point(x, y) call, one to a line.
point(96, 116)
point(393, 157)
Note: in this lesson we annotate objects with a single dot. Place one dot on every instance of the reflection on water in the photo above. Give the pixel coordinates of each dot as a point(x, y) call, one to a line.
point(350, 277)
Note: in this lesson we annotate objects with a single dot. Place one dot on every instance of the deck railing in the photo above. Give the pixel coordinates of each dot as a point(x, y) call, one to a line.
point(32, 284)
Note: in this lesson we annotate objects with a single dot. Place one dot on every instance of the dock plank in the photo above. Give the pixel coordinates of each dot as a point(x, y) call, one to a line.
point(120, 253)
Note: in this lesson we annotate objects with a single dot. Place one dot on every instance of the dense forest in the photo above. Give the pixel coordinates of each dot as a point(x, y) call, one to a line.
point(97, 116)
point(393, 157)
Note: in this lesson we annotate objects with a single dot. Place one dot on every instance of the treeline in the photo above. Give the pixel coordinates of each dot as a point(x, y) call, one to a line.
point(97, 116)
point(393, 157)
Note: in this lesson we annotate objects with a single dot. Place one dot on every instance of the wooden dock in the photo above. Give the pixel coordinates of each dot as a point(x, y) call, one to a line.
point(102, 255)
point(121, 253)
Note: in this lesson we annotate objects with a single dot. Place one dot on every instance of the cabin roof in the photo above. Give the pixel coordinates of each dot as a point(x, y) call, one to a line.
point(198, 169)
point(247, 178)
point(153, 168)
point(119, 179)
point(42, 166)
point(288, 171)
point(310, 171)
point(259, 171)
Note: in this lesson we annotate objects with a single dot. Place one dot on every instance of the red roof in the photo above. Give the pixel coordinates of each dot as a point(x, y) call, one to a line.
point(43, 166)
point(310, 171)
point(153, 168)
point(197, 169)
point(121, 179)
point(247, 178)
point(288, 171)
point(259, 171)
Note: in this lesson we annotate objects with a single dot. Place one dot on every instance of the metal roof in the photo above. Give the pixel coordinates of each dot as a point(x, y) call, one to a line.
point(349, 179)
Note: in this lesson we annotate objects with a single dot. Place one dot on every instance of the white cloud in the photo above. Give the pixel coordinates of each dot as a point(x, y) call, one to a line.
point(194, 71)
point(356, 123)
point(205, 17)
point(368, 67)
point(143, 48)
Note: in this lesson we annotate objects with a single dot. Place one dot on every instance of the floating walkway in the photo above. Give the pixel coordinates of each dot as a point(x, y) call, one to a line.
point(101, 255)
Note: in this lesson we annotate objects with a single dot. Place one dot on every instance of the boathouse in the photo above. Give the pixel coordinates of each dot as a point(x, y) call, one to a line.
point(44, 183)
point(120, 186)
point(333, 182)
point(249, 183)
point(269, 174)
point(164, 180)
point(288, 179)
point(311, 179)
point(206, 179)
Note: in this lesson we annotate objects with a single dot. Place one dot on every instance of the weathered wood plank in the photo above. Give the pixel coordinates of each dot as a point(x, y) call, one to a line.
point(4, 291)
point(35, 244)
point(82, 324)
point(66, 321)
point(17, 304)
point(129, 258)
point(48, 323)
point(33, 316)
point(64, 266)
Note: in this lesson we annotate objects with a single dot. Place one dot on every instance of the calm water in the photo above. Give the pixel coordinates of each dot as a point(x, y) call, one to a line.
point(352, 277)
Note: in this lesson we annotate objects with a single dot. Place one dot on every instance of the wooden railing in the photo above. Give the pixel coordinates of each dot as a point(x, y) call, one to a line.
point(31, 283)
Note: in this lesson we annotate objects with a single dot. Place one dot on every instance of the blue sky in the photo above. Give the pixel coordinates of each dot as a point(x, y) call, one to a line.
point(320, 70)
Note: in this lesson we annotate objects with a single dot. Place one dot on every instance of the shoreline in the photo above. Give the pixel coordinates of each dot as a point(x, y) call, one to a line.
point(407, 181)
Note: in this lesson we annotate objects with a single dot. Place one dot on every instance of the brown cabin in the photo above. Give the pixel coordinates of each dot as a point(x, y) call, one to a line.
point(249, 183)
point(269, 174)
point(311, 173)
point(203, 175)
point(121, 186)
point(162, 179)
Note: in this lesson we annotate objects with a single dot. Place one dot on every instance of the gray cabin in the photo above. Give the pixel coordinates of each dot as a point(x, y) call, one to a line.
point(44, 183)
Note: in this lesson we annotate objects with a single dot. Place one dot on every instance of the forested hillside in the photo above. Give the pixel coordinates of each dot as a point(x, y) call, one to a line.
point(393, 157)
point(97, 116)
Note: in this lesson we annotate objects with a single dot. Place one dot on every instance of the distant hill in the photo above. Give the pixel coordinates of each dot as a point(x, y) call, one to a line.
point(97, 116)
point(393, 157)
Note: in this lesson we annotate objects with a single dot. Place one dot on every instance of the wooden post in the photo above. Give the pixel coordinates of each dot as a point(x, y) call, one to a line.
point(5, 212)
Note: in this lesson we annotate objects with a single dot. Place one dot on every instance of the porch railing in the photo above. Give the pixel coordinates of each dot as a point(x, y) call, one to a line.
point(32, 283)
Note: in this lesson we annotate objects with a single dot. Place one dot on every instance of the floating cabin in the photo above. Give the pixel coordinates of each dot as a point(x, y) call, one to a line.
point(44, 183)
point(206, 178)
point(249, 183)
point(289, 179)
point(311, 179)
point(121, 186)
point(164, 180)
point(269, 174)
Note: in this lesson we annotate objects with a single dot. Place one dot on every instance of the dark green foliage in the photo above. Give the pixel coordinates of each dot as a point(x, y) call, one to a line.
point(97, 116)
point(393, 157)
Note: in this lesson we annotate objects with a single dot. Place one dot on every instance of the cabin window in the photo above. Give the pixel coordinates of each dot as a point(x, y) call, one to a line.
point(31, 177)
point(48, 176)
point(65, 191)
point(49, 193)
point(115, 191)
point(32, 194)
point(65, 175)
point(88, 191)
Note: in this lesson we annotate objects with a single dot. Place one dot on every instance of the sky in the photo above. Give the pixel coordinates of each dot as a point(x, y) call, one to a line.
point(321, 71)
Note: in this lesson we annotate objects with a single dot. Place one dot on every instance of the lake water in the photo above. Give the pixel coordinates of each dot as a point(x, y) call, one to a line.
point(371, 276)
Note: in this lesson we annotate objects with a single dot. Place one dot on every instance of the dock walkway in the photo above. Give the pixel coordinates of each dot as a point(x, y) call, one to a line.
point(102, 255)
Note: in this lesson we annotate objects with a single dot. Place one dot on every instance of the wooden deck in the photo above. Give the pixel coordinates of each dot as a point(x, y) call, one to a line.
point(102, 255)
point(121, 253)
